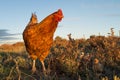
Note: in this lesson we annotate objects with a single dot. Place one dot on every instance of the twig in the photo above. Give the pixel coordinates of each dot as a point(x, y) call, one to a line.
point(29, 75)
point(8, 78)
point(17, 68)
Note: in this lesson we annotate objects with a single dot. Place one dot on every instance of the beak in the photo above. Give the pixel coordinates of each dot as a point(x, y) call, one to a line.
point(62, 16)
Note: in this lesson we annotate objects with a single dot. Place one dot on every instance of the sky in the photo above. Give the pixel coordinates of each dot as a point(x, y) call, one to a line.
point(82, 18)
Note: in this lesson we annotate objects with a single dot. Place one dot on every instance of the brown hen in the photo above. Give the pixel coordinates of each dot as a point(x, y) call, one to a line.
point(38, 37)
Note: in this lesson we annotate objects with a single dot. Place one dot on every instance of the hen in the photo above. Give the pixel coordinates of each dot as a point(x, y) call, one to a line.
point(38, 37)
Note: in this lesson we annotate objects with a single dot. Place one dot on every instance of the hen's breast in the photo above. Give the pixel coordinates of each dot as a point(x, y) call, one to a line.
point(37, 40)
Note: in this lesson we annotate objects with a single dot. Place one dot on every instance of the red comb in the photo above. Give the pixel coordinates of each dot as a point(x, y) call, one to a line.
point(60, 11)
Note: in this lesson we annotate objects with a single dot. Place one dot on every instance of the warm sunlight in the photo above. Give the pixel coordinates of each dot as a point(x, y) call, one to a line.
point(60, 40)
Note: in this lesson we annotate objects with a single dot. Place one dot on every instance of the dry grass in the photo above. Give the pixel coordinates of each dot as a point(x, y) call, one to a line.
point(67, 60)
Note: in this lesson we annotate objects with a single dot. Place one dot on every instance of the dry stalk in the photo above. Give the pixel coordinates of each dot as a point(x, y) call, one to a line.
point(29, 76)
point(8, 78)
point(17, 69)
point(116, 78)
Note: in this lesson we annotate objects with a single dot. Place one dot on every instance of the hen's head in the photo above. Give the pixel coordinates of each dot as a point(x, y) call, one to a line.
point(58, 15)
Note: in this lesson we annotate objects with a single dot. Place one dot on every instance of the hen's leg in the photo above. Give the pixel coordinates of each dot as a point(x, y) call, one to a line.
point(43, 66)
point(42, 58)
point(33, 66)
point(34, 57)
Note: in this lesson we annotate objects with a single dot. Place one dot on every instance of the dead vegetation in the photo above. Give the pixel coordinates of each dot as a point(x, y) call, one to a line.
point(96, 58)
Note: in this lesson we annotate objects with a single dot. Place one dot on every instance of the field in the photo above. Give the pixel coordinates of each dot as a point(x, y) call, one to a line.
point(95, 58)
